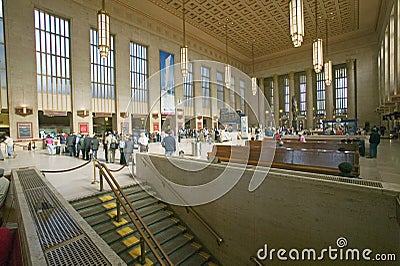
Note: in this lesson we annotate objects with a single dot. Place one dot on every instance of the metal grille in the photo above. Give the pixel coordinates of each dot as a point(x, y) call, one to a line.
point(76, 253)
point(63, 241)
point(54, 225)
point(26, 177)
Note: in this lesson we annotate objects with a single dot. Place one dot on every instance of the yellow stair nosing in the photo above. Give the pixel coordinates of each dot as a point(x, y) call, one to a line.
point(169, 212)
point(120, 223)
point(162, 205)
point(212, 264)
point(136, 252)
point(106, 198)
point(175, 220)
point(188, 236)
point(196, 245)
point(131, 241)
point(182, 228)
point(112, 214)
point(147, 263)
point(205, 255)
point(109, 206)
point(125, 231)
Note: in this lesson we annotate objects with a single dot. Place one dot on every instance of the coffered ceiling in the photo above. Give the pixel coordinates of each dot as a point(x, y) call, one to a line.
point(266, 22)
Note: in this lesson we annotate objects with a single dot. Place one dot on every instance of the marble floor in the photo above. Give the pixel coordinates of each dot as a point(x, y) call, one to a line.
point(77, 183)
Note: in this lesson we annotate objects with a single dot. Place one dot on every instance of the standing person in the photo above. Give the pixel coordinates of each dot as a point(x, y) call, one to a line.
point(143, 142)
point(70, 142)
point(10, 146)
point(88, 140)
point(112, 145)
point(94, 146)
point(105, 146)
point(374, 141)
point(77, 146)
point(128, 150)
point(169, 145)
point(121, 145)
point(82, 146)
point(49, 144)
point(302, 138)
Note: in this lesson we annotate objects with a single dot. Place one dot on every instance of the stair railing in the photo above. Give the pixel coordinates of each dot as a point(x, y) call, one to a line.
point(188, 208)
point(105, 173)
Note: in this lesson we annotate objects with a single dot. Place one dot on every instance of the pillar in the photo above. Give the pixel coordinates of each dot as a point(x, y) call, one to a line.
point(291, 96)
point(309, 99)
point(351, 90)
point(276, 101)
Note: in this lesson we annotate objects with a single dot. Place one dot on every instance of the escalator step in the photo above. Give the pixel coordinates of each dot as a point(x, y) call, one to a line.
point(131, 241)
point(125, 231)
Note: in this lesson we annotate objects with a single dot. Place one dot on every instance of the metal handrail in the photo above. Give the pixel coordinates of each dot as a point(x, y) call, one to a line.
point(105, 172)
point(256, 261)
point(188, 208)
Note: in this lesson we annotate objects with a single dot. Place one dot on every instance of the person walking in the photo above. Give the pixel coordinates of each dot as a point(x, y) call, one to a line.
point(374, 141)
point(10, 146)
point(112, 145)
point(169, 144)
point(70, 142)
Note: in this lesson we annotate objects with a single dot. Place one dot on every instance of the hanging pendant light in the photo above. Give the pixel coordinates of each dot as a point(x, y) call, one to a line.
point(227, 66)
point(184, 48)
point(318, 61)
point(253, 79)
point(103, 25)
point(328, 64)
point(296, 20)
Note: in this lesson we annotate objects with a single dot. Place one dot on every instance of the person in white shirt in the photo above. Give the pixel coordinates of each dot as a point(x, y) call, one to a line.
point(10, 145)
point(143, 143)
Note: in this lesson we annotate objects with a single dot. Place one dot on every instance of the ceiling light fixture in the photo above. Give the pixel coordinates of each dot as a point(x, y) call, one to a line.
point(103, 25)
point(318, 61)
point(227, 66)
point(253, 79)
point(184, 48)
point(296, 20)
point(328, 64)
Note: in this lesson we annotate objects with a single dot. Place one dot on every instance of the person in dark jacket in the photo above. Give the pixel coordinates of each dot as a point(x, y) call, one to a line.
point(374, 141)
point(71, 144)
point(88, 140)
point(128, 150)
point(169, 144)
point(94, 146)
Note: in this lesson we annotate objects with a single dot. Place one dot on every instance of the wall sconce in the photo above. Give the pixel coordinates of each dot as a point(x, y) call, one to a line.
point(82, 113)
point(124, 114)
point(23, 111)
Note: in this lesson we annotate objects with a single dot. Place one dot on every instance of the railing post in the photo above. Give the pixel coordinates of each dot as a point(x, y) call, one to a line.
point(142, 252)
point(94, 172)
point(118, 210)
point(101, 180)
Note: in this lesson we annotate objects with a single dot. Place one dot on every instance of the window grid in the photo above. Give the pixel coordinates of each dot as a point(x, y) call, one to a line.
point(286, 93)
point(341, 90)
point(138, 72)
point(220, 89)
point(242, 95)
point(52, 38)
point(320, 83)
point(205, 85)
point(188, 87)
point(303, 95)
point(102, 69)
point(3, 76)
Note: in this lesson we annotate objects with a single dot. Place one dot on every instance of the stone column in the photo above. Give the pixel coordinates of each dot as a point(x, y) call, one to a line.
point(261, 102)
point(291, 94)
point(351, 90)
point(309, 99)
point(276, 101)
point(329, 101)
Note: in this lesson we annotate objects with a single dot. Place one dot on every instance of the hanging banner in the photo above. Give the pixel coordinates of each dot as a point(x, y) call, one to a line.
point(167, 83)
point(244, 127)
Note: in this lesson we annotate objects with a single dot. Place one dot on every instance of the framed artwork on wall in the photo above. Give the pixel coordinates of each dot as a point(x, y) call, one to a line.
point(24, 130)
point(83, 128)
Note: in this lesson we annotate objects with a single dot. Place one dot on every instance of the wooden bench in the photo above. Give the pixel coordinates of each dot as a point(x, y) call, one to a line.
point(320, 145)
point(309, 160)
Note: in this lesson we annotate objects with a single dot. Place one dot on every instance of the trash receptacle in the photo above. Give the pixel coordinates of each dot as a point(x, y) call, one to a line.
point(196, 148)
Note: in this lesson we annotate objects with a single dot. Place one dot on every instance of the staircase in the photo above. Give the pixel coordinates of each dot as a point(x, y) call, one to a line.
point(100, 212)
